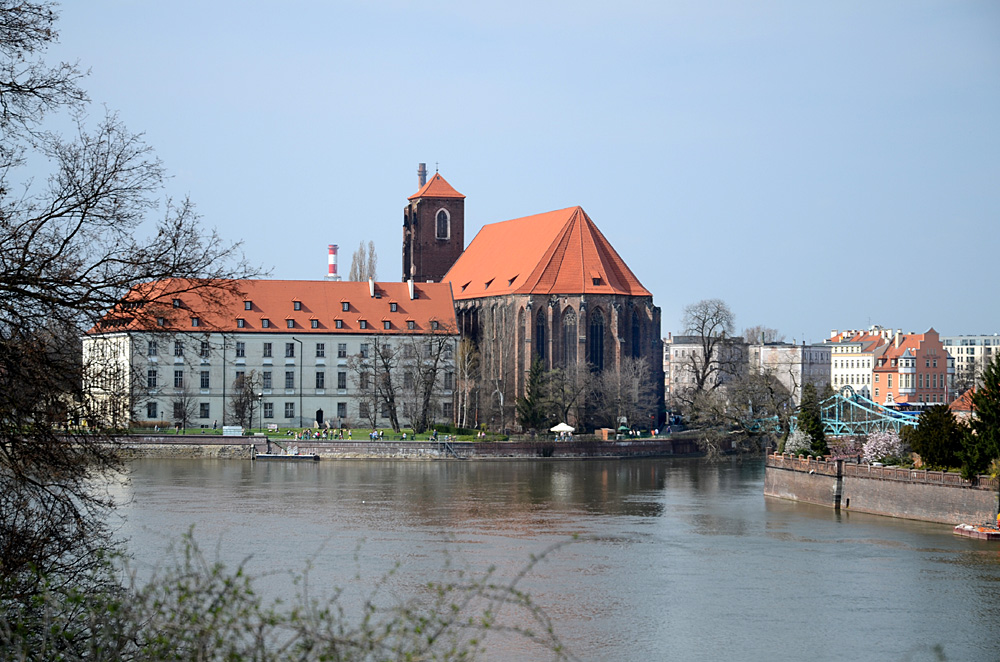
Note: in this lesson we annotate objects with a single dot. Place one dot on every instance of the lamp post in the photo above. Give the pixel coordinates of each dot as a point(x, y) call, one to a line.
point(260, 411)
point(301, 361)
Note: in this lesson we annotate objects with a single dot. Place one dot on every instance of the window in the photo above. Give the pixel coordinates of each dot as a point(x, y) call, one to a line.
point(407, 379)
point(266, 379)
point(289, 379)
point(265, 323)
point(151, 410)
point(342, 350)
point(409, 324)
point(386, 325)
point(178, 379)
point(289, 350)
point(434, 325)
point(364, 350)
point(204, 379)
point(339, 324)
point(290, 324)
point(240, 376)
point(297, 305)
point(443, 226)
point(179, 411)
point(447, 410)
point(888, 381)
point(268, 410)
point(363, 324)
point(241, 350)
point(178, 348)
point(320, 350)
point(289, 410)
point(151, 349)
point(161, 321)
point(177, 303)
point(392, 307)
point(449, 381)
point(363, 381)
point(363, 409)
point(241, 323)
point(267, 350)
point(204, 410)
point(248, 305)
point(345, 306)
point(320, 379)
point(195, 321)
point(341, 380)
point(385, 410)
point(876, 392)
point(341, 409)
point(204, 349)
point(151, 379)
point(314, 324)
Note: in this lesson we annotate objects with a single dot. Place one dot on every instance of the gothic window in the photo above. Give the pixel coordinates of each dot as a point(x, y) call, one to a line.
point(540, 335)
point(595, 338)
point(636, 335)
point(569, 336)
point(443, 225)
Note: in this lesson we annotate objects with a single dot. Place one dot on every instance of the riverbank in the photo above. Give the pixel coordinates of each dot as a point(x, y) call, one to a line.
point(213, 446)
point(929, 496)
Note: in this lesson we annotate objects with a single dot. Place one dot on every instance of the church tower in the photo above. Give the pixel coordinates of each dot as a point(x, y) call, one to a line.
point(433, 229)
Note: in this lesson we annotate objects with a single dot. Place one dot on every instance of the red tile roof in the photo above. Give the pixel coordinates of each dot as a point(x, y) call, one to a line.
point(219, 308)
point(558, 252)
point(963, 403)
point(436, 187)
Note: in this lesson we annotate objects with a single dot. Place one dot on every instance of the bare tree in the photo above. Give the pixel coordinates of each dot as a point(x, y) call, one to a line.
point(362, 369)
point(625, 392)
point(243, 401)
point(426, 359)
point(183, 404)
point(762, 334)
point(467, 376)
point(364, 263)
point(74, 257)
point(385, 362)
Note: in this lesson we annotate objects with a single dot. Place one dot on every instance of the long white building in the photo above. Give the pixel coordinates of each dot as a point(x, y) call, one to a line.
point(288, 353)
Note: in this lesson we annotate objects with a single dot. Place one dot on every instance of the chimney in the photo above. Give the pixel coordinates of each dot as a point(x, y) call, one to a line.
point(421, 174)
point(833, 333)
point(331, 272)
point(371, 287)
point(409, 286)
point(899, 336)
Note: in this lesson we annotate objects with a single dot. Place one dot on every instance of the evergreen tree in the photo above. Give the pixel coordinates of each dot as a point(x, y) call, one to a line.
point(531, 407)
point(981, 443)
point(937, 437)
point(810, 420)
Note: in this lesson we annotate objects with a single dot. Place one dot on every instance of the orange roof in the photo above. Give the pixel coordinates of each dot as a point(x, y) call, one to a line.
point(254, 301)
point(436, 187)
point(558, 252)
point(964, 402)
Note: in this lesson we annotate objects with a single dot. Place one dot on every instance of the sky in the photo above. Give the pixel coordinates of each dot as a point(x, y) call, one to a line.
point(816, 165)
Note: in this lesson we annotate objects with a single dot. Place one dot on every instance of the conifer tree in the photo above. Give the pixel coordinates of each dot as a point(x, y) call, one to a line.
point(810, 420)
point(937, 437)
point(531, 406)
point(981, 443)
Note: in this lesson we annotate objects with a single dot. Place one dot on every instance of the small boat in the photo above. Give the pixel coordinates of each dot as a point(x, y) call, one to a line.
point(978, 532)
point(307, 457)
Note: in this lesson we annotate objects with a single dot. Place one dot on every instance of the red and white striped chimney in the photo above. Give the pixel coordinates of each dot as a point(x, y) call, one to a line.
point(331, 273)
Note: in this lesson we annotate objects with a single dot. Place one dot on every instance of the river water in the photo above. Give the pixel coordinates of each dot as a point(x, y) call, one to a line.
point(673, 559)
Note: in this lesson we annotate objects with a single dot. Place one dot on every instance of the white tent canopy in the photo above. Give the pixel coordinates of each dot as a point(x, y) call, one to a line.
point(562, 427)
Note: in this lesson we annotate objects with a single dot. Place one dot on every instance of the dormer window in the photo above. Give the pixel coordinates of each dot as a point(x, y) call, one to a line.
point(177, 303)
point(386, 325)
point(290, 324)
point(434, 325)
point(195, 321)
point(248, 305)
point(297, 305)
point(345, 306)
point(392, 307)
point(339, 324)
point(314, 324)
point(240, 323)
point(410, 324)
point(160, 321)
point(265, 323)
point(363, 324)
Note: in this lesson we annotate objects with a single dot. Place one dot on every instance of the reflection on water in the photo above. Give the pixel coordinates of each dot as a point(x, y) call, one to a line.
point(677, 559)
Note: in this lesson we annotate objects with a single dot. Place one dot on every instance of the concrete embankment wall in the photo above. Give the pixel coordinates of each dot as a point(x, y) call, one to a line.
point(931, 496)
point(195, 446)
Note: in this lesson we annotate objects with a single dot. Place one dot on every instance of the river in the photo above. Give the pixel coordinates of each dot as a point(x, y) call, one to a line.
point(673, 559)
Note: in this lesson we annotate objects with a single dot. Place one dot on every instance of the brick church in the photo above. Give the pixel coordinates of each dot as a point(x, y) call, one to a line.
point(549, 286)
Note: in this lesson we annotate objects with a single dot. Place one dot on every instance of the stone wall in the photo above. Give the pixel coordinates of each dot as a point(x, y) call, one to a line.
point(931, 496)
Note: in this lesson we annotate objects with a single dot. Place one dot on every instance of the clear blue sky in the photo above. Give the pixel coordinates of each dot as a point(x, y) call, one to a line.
point(816, 165)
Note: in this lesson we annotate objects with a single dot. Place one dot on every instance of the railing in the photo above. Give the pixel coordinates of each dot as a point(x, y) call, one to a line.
point(902, 474)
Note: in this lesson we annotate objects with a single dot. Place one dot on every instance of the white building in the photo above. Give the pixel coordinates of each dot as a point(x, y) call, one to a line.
point(793, 366)
point(302, 352)
point(971, 354)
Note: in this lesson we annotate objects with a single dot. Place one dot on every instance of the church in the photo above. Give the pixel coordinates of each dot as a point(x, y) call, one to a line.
point(548, 286)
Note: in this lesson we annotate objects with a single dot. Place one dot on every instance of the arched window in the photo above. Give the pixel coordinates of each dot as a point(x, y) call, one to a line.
point(636, 336)
point(595, 340)
point(569, 337)
point(443, 224)
point(540, 335)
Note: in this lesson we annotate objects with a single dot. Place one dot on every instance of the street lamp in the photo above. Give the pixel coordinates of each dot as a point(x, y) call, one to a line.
point(260, 411)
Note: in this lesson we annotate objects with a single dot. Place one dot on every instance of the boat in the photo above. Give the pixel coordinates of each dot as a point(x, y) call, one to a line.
point(978, 532)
